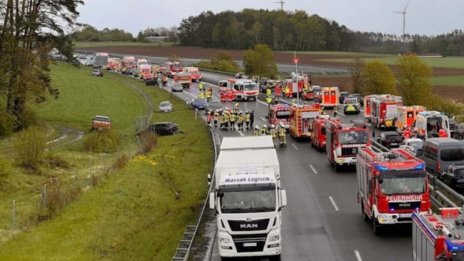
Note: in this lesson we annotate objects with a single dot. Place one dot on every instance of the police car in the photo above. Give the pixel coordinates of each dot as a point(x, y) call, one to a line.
point(351, 105)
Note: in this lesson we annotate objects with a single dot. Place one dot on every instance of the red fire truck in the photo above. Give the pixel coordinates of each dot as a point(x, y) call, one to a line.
point(318, 134)
point(301, 120)
point(183, 79)
point(329, 97)
point(172, 68)
point(279, 113)
point(238, 90)
point(438, 237)
point(128, 63)
point(384, 110)
point(343, 141)
point(367, 107)
point(391, 186)
point(297, 84)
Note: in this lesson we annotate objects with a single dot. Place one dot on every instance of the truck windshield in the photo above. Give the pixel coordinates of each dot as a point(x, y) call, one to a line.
point(248, 201)
point(353, 137)
point(434, 124)
point(283, 114)
point(249, 86)
point(403, 185)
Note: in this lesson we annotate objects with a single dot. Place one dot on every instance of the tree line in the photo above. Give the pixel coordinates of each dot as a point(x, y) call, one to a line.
point(89, 33)
point(299, 31)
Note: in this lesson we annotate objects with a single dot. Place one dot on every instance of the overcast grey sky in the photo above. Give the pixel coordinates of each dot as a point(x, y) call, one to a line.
point(428, 17)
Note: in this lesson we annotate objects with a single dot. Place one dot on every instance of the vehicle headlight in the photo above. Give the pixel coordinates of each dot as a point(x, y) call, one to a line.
point(224, 240)
point(274, 238)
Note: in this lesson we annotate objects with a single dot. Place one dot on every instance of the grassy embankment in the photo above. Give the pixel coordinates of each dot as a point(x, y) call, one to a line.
point(137, 213)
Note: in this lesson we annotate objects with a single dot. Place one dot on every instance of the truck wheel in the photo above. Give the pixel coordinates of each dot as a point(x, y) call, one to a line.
point(276, 258)
point(375, 226)
point(364, 215)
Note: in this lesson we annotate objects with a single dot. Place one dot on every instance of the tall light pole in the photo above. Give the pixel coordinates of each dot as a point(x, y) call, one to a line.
point(295, 60)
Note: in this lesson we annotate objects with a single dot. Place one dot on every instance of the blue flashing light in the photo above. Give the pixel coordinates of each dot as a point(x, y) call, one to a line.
point(381, 168)
point(421, 166)
point(392, 209)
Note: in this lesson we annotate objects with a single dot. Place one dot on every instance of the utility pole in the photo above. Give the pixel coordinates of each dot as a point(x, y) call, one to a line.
point(281, 2)
point(295, 60)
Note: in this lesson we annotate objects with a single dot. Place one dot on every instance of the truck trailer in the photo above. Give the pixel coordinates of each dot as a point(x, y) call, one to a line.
point(248, 198)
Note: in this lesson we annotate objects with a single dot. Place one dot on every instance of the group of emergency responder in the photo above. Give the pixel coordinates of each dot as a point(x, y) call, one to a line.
point(278, 132)
point(205, 93)
point(231, 119)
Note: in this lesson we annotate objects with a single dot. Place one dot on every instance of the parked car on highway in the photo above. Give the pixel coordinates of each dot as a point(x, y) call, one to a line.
point(342, 96)
point(177, 87)
point(414, 145)
point(153, 80)
point(390, 139)
point(351, 106)
point(212, 106)
point(454, 177)
point(199, 103)
point(97, 72)
point(100, 122)
point(165, 106)
point(164, 128)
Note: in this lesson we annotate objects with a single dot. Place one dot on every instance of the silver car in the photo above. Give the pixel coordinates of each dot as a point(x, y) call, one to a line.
point(165, 106)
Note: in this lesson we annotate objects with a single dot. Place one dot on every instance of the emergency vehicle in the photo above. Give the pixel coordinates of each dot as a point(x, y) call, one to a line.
point(297, 84)
point(301, 120)
point(144, 71)
point(367, 107)
point(183, 79)
point(329, 97)
point(384, 110)
point(114, 64)
point(238, 90)
point(428, 124)
point(172, 68)
point(438, 237)
point(407, 116)
point(391, 186)
point(141, 62)
point(343, 141)
point(194, 73)
point(318, 133)
point(128, 63)
point(279, 114)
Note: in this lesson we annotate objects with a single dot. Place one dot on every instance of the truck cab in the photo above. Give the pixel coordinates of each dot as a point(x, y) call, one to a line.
point(279, 114)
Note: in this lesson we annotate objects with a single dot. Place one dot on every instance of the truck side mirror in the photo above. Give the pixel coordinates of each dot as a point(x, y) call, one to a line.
point(283, 197)
point(212, 200)
point(209, 179)
point(371, 185)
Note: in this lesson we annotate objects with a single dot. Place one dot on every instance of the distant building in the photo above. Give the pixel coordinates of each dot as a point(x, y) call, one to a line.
point(156, 39)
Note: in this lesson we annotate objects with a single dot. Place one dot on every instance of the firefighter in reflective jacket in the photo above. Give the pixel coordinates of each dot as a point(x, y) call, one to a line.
point(247, 120)
point(200, 86)
point(256, 131)
point(281, 133)
point(216, 118)
point(232, 118)
point(264, 131)
point(273, 133)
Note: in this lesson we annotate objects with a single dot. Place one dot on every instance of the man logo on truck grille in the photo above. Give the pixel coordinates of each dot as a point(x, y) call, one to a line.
point(248, 226)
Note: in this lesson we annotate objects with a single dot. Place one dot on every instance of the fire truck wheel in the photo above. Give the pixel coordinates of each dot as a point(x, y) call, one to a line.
point(275, 258)
point(365, 217)
point(375, 226)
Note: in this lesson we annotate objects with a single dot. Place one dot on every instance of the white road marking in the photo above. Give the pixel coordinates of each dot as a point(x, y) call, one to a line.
point(358, 255)
point(241, 133)
point(263, 103)
point(294, 146)
point(263, 119)
point(313, 169)
point(333, 203)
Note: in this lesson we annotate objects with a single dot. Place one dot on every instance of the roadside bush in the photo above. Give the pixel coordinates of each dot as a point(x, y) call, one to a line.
point(105, 141)
point(447, 106)
point(30, 148)
point(6, 123)
point(120, 162)
point(56, 162)
point(149, 141)
point(56, 195)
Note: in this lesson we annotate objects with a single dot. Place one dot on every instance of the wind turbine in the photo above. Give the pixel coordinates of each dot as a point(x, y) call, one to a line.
point(281, 2)
point(404, 16)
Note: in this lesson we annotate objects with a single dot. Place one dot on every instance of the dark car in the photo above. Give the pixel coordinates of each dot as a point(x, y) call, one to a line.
point(390, 139)
point(359, 97)
point(454, 177)
point(153, 80)
point(199, 103)
point(343, 95)
point(212, 106)
point(164, 128)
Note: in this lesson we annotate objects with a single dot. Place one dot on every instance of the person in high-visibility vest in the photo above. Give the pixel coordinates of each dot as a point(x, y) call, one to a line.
point(200, 86)
point(201, 95)
point(240, 120)
point(232, 121)
point(247, 120)
point(256, 131)
point(226, 120)
point(264, 130)
point(209, 94)
point(281, 133)
point(216, 118)
point(273, 133)
point(268, 91)
point(269, 100)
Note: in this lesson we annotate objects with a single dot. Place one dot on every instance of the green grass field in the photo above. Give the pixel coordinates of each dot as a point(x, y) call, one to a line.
point(448, 80)
point(335, 53)
point(107, 44)
point(134, 215)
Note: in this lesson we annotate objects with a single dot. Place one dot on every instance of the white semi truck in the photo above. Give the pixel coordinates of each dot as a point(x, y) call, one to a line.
point(248, 198)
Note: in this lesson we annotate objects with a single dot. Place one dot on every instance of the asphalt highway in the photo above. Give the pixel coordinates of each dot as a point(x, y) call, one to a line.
point(322, 221)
